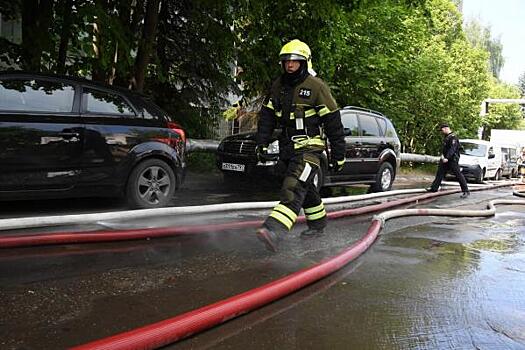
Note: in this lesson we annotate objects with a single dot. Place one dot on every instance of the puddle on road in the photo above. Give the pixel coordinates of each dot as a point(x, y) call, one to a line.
point(433, 286)
point(443, 284)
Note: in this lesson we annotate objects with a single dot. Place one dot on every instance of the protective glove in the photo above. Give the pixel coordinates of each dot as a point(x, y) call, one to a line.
point(337, 165)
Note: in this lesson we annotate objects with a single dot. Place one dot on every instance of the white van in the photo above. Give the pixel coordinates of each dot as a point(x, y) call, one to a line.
point(509, 161)
point(480, 160)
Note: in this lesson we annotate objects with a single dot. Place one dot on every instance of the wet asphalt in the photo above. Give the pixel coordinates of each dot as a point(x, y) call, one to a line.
point(426, 283)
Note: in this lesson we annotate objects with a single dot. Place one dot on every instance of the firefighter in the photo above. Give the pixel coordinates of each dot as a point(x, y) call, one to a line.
point(449, 162)
point(302, 106)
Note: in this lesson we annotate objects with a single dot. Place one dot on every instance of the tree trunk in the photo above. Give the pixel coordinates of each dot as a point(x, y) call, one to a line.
point(146, 43)
point(162, 42)
point(99, 69)
point(65, 34)
point(37, 16)
point(129, 17)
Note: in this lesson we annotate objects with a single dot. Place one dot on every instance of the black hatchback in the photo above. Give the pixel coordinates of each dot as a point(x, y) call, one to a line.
point(63, 136)
point(372, 153)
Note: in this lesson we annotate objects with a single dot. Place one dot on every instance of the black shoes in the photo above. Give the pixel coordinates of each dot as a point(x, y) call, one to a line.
point(430, 189)
point(465, 194)
point(269, 238)
point(311, 233)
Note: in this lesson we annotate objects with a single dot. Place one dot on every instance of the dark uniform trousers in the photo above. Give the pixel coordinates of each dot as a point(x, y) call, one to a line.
point(298, 191)
point(443, 169)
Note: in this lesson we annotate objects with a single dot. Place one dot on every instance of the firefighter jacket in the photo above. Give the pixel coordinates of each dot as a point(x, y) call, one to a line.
point(451, 147)
point(306, 112)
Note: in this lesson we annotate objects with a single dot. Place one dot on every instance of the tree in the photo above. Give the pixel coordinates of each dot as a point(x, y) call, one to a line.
point(406, 58)
point(146, 43)
point(521, 84)
point(37, 16)
point(502, 116)
point(480, 36)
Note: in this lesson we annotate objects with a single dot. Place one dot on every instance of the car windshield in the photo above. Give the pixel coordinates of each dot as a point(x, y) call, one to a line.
point(473, 149)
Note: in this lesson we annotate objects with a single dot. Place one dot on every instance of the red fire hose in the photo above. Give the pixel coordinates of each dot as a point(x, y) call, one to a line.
point(11, 241)
point(171, 330)
point(168, 331)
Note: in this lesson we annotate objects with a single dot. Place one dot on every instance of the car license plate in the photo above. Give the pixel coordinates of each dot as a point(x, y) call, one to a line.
point(233, 167)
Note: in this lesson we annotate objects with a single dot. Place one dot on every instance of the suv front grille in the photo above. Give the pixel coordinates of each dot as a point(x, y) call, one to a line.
point(239, 147)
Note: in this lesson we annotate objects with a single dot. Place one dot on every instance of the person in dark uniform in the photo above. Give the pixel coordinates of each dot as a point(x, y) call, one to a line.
point(449, 162)
point(302, 106)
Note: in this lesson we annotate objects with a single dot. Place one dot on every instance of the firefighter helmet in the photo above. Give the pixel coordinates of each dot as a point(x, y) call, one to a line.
point(295, 50)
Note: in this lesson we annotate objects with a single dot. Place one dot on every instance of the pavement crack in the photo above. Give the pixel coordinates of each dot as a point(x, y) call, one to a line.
point(500, 331)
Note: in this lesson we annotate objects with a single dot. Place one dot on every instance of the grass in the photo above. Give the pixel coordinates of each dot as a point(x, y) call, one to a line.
point(205, 162)
point(418, 169)
point(201, 162)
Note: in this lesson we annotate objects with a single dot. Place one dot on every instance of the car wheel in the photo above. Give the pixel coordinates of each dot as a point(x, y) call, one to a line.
point(480, 177)
point(151, 184)
point(319, 178)
point(384, 178)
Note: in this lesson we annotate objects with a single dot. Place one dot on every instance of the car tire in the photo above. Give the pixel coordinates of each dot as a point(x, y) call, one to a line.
point(479, 178)
point(384, 178)
point(319, 177)
point(151, 184)
point(497, 177)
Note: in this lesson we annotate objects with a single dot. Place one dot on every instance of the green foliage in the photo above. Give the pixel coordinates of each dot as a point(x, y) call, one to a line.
point(418, 169)
point(502, 116)
point(481, 37)
point(202, 162)
point(521, 84)
point(410, 59)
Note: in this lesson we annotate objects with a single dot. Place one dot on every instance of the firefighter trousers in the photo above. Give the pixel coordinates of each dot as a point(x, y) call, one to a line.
point(298, 192)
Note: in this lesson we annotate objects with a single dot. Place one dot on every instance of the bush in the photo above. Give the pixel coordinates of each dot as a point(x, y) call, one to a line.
point(202, 162)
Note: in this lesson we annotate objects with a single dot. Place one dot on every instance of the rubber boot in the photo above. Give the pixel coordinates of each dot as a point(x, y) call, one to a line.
point(270, 238)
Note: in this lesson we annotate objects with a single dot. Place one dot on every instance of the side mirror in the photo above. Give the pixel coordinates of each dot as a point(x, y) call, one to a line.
point(347, 131)
point(492, 155)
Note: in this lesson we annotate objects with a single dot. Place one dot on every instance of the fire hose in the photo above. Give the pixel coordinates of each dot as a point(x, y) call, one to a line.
point(12, 241)
point(56, 220)
point(174, 329)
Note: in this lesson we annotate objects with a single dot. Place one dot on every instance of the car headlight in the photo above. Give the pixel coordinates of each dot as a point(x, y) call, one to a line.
point(273, 148)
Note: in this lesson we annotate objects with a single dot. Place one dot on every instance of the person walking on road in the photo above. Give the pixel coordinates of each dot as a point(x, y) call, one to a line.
point(449, 162)
point(302, 106)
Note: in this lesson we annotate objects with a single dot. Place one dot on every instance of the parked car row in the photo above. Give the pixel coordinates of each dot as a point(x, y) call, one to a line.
point(482, 159)
point(61, 136)
point(372, 153)
point(65, 137)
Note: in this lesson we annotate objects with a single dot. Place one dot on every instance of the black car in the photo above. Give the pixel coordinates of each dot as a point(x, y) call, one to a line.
point(63, 136)
point(372, 153)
